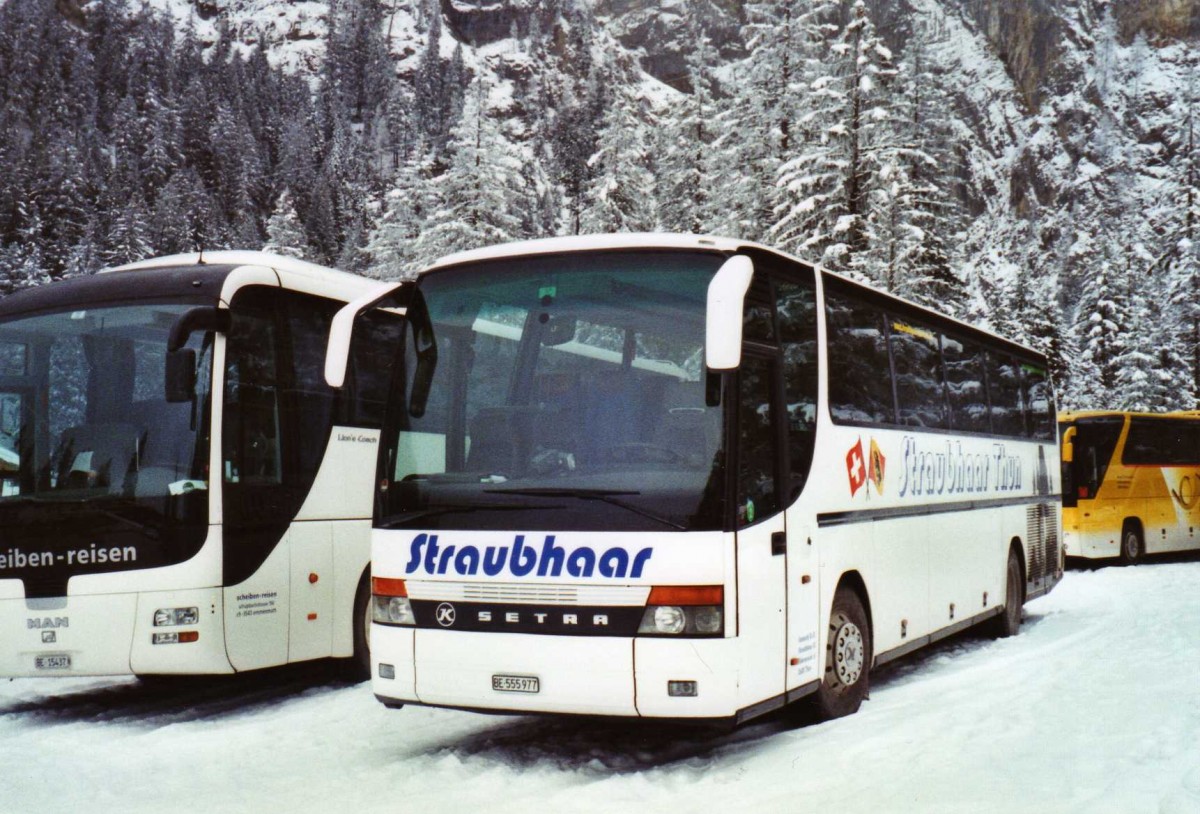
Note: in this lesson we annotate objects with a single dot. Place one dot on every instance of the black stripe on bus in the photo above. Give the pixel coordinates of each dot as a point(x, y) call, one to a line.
point(828, 519)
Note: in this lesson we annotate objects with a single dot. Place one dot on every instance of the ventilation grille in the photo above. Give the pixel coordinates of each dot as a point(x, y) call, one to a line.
point(515, 593)
point(1042, 537)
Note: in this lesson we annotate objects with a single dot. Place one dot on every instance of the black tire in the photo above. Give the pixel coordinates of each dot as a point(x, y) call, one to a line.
point(1133, 547)
point(848, 657)
point(358, 666)
point(1008, 623)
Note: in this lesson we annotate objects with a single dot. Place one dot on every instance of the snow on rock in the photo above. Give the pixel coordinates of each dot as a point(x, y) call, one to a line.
point(1095, 707)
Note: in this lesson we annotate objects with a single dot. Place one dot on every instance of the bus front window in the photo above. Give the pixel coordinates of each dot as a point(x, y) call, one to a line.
point(569, 393)
point(82, 409)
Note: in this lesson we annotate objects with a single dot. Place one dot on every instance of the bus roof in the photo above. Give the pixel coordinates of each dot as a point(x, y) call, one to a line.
point(658, 241)
point(206, 280)
point(356, 285)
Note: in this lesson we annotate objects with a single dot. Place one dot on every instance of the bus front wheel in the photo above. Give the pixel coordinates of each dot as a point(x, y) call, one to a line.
point(358, 666)
point(1131, 544)
point(847, 658)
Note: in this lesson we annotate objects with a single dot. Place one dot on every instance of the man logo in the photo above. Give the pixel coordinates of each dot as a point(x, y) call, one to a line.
point(445, 614)
point(49, 637)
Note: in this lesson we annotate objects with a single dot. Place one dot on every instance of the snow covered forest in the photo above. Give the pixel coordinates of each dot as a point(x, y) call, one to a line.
point(1031, 167)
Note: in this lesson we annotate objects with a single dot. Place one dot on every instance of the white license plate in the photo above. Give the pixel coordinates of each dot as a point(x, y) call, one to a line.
point(515, 684)
point(52, 662)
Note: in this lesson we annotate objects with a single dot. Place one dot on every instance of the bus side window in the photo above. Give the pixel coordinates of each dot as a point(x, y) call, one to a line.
point(377, 339)
point(1004, 392)
point(251, 428)
point(308, 400)
point(862, 389)
point(796, 305)
point(916, 354)
point(1039, 403)
point(966, 384)
point(758, 492)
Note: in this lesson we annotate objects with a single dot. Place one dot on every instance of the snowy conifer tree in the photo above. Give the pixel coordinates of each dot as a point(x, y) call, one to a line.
point(687, 162)
point(474, 200)
point(619, 196)
point(285, 234)
point(828, 182)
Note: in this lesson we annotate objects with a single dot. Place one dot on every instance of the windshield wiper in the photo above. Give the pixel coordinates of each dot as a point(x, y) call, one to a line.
point(450, 508)
point(609, 496)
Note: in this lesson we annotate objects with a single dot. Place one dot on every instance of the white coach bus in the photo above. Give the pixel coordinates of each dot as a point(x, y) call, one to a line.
point(691, 478)
point(180, 491)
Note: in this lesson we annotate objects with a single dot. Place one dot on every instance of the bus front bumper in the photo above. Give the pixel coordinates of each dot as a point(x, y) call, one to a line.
point(517, 673)
point(112, 634)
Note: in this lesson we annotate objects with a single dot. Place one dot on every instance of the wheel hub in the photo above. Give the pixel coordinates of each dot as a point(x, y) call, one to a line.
point(848, 653)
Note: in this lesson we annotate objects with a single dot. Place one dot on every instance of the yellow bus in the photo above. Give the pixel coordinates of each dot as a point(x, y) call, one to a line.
point(1131, 483)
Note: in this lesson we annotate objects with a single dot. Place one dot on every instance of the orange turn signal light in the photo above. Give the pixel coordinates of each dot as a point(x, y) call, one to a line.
point(687, 595)
point(384, 586)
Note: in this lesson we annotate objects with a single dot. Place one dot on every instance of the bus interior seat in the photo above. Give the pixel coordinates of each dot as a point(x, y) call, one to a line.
point(685, 426)
point(97, 455)
point(497, 441)
point(168, 444)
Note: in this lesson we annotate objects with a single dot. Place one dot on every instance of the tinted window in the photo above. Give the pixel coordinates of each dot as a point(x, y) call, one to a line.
point(1004, 388)
point(917, 360)
point(1095, 440)
point(1039, 402)
point(1162, 442)
point(758, 494)
point(796, 305)
point(373, 359)
point(860, 381)
point(966, 384)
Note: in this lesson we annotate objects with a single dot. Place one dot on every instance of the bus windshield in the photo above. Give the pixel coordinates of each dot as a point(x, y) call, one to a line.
point(568, 393)
point(83, 415)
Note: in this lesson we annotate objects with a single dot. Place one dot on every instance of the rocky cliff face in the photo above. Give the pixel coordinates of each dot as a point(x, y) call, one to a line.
point(1160, 20)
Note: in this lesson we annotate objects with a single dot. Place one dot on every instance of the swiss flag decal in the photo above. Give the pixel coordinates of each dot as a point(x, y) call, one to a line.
point(856, 467)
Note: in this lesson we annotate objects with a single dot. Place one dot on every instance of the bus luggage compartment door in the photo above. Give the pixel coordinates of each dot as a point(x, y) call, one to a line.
point(506, 671)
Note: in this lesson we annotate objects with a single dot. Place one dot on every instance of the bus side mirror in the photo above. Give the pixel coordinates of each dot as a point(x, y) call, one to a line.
point(425, 344)
point(1068, 446)
point(341, 330)
point(180, 375)
point(1070, 495)
point(723, 321)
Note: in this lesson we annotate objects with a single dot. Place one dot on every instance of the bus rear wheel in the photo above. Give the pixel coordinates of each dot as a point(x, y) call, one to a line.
point(1131, 544)
point(1008, 623)
point(847, 658)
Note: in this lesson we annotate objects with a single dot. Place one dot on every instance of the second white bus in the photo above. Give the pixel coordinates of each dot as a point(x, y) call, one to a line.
point(692, 478)
point(180, 490)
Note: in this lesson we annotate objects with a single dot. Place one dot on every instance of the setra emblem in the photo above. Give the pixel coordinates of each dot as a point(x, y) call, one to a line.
point(445, 614)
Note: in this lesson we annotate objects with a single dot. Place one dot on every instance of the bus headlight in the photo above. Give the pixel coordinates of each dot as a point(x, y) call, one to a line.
point(389, 602)
point(393, 610)
point(684, 610)
point(164, 617)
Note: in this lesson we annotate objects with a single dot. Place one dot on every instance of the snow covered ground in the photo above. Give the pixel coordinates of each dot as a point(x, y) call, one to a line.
point(1095, 707)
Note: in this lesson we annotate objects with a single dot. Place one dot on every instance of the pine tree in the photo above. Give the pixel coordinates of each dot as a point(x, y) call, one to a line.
point(756, 130)
point(285, 235)
point(829, 181)
point(619, 196)
point(686, 202)
point(474, 201)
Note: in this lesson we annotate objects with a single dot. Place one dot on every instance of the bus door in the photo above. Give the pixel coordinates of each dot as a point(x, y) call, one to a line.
point(761, 534)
